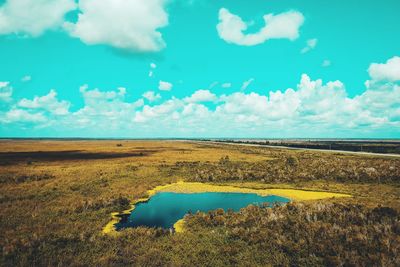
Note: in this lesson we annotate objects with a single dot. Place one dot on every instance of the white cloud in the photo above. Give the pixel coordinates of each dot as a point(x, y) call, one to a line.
point(231, 28)
point(20, 115)
point(312, 104)
point(26, 78)
point(326, 63)
point(201, 96)
point(126, 24)
point(5, 91)
point(389, 71)
point(311, 44)
point(168, 110)
point(311, 109)
point(48, 102)
point(151, 96)
point(246, 84)
point(226, 85)
point(33, 17)
point(152, 67)
point(164, 86)
point(103, 109)
point(98, 98)
point(241, 103)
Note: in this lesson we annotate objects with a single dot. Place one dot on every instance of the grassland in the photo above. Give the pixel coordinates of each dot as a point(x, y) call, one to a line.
point(57, 196)
point(372, 146)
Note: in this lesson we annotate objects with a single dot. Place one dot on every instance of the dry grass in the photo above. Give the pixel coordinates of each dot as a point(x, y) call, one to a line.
point(54, 205)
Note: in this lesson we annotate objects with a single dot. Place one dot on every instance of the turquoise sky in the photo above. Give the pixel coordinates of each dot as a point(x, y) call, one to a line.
point(346, 42)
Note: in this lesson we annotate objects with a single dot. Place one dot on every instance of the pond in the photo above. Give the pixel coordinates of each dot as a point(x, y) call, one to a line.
point(165, 208)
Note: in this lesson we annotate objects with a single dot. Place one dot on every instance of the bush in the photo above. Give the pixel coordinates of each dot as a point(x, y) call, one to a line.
point(292, 161)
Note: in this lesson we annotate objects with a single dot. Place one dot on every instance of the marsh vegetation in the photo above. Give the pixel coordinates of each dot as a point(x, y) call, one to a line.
point(372, 146)
point(54, 204)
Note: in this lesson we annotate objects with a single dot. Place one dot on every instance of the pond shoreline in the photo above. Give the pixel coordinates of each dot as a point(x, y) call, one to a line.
point(196, 187)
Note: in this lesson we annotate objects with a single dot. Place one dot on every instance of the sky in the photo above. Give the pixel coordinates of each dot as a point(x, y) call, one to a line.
point(200, 68)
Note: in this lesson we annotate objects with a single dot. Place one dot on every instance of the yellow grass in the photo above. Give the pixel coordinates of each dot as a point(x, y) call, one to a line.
point(179, 226)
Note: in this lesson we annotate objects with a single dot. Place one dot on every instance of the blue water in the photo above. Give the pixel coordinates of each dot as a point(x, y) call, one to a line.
point(164, 209)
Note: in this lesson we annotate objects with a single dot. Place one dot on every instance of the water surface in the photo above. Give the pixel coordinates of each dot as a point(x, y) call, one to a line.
point(165, 208)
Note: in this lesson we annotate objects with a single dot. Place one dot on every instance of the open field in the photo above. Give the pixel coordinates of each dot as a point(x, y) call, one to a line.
point(390, 147)
point(57, 196)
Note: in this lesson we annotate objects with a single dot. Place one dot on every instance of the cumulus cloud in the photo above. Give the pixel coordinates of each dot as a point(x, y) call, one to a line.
point(389, 71)
point(242, 103)
point(201, 96)
point(312, 104)
point(103, 109)
point(231, 28)
point(16, 115)
point(95, 99)
point(48, 102)
point(167, 109)
point(126, 24)
point(164, 86)
point(5, 91)
point(151, 96)
point(33, 17)
point(310, 45)
point(312, 108)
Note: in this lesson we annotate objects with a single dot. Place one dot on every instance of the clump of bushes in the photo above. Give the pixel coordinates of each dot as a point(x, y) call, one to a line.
point(292, 161)
point(224, 160)
point(328, 234)
point(118, 204)
point(17, 179)
point(286, 168)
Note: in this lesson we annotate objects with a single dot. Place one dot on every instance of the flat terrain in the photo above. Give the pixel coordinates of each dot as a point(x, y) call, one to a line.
point(376, 147)
point(56, 197)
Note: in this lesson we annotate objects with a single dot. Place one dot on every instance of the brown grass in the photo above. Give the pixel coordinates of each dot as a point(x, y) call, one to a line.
point(56, 196)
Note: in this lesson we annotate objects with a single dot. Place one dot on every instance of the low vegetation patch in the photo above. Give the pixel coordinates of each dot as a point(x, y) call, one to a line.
point(21, 178)
point(291, 168)
point(309, 234)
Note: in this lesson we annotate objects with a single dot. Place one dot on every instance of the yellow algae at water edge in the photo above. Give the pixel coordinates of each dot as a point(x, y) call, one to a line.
point(294, 194)
point(110, 227)
point(179, 226)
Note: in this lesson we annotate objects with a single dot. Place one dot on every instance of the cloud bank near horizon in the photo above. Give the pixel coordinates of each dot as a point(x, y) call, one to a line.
point(312, 108)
